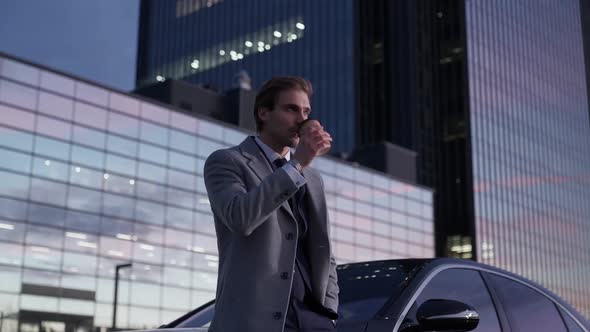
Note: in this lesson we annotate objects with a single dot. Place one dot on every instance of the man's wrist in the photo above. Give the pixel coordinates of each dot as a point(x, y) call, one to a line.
point(296, 164)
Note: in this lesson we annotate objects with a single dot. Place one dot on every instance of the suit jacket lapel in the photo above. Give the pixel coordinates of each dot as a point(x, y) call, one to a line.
point(259, 164)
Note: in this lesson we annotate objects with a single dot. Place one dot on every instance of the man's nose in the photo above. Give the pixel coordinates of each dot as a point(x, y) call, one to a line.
point(301, 116)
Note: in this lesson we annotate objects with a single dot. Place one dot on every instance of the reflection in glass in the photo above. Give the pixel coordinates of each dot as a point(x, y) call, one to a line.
point(178, 239)
point(152, 172)
point(148, 233)
point(88, 157)
point(184, 122)
point(120, 229)
point(117, 205)
point(52, 148)
point(14, 185)
point(54, 128)
point(81, 221)
point(155, 113)
point(123, 125)
point(38, 303)
point(49, 168)
point(20, 72)
point(148, 212)
point(58, 83)
point(181, 180)
point(124, 146)
point(114, 248)
point(10, 280)
point(44, 214)
point(178, 257)
point(147, 273)
point(84, 199)
point(147, 253)
point(177, 277)
point(41, 257)
point(120, 165)
point(143, 318)
point(18, 95)
point(15, 161)
point(55, 105)
point(176, 298)
point(205, 280)
point(11, 231)
point(84, 176)
point(153, 133)
point(180, 197)
point(152, 153)
point(76, 307)
point(182, 161)
point(79, 263)
point(91, 116)
point(48, 192)
point(89, 136)
point(11, 254)
point(91, 93)
point(81, 242)
point(178, 217)
point(150, 190)
point(16, 139)
point(13, 209)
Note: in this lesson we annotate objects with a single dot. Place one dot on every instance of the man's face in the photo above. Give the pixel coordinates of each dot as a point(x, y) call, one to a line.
point(281, 123)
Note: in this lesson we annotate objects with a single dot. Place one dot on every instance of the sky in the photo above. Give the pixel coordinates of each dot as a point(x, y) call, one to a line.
point(92, 39)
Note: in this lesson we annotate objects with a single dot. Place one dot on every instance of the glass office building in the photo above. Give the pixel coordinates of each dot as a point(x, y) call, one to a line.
point(92, 178)
point(530, 135)
point(498, 102)
point(209, 41)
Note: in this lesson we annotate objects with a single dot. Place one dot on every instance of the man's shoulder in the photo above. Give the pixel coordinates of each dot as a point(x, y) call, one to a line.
point(225, 153)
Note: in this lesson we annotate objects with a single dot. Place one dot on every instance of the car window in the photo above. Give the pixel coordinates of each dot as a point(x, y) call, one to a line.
point(572, 326)
point(526, 308)
point(366, 287)
point(461, 285)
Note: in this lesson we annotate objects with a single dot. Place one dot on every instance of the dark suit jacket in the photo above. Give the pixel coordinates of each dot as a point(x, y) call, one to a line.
point(257, 238)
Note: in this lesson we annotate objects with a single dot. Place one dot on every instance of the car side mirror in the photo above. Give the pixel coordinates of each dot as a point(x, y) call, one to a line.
point(446, 315)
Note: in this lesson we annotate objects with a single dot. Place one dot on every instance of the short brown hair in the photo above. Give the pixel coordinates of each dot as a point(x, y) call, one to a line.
point(269, 92)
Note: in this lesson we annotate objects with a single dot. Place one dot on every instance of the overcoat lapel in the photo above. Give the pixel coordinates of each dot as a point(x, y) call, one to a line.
point(259, 165)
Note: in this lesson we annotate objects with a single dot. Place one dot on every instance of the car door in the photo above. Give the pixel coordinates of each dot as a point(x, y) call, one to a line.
point(526, 308)
point(458, 284)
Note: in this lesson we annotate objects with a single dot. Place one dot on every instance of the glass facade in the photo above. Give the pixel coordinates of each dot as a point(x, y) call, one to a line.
point(530, 139)
point(208, 42)
point(92, 178)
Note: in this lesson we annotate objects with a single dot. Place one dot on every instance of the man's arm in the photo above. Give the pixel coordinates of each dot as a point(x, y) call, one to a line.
point(243, 211)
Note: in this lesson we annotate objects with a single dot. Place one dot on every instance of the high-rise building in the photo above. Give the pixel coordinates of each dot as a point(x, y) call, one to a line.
point(211, 41)
point(498, 109)
point(92, 178)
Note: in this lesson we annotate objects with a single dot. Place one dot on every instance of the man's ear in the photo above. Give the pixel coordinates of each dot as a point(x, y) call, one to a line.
point(263, 113)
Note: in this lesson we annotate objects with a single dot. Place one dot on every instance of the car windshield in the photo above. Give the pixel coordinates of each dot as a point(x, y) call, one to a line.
point(364, 289)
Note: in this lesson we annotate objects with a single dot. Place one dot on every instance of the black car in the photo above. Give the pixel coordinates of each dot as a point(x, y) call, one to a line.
point(434, 295)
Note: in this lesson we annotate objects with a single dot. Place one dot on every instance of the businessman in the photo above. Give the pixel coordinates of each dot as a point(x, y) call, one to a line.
point(276, 269)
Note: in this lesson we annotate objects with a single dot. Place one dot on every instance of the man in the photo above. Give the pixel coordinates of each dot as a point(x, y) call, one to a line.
point(276, 270)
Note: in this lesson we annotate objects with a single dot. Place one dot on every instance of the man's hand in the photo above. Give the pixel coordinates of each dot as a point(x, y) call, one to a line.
point(313, 142)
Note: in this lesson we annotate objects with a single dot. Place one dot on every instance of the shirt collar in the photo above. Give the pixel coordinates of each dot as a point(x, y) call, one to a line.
point(271, 154)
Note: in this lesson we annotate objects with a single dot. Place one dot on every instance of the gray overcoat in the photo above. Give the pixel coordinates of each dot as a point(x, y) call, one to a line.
point(257, 240)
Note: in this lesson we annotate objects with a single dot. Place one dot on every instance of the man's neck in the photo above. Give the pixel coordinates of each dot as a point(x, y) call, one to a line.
point(278, 148)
